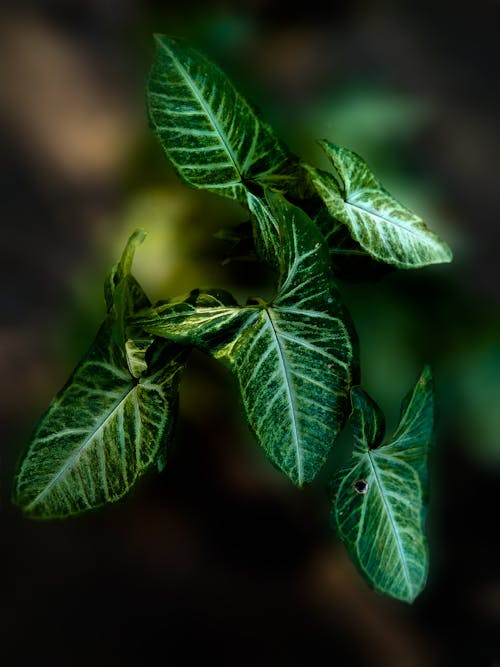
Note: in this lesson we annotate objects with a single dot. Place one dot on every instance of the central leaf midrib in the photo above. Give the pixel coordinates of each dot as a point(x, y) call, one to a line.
point(291, 396)
point(72, 458)
point(211, 116)
point(391, 520)
point(377, 214)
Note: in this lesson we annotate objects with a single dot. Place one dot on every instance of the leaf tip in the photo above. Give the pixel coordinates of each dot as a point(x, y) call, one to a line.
point(325, 144)
point(159, 38)
point(408, 598)
point(26, 505)
point(134, 241)
point(426, 378)
point(447, 253)
point(138, 236)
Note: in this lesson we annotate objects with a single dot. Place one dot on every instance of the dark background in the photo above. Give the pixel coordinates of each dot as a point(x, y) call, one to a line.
point(219, 558)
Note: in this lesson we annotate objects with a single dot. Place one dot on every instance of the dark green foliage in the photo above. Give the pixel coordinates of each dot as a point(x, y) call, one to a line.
point(379, 498)
point(110, 421)
point(294, 357)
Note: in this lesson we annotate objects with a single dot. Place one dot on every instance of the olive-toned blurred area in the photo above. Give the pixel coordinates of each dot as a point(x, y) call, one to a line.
point(219, 558)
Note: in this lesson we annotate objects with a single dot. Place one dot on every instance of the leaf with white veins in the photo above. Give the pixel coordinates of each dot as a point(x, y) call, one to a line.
point(211, 135)
point(386, 229)
point(294, 357)
point(381, 495)
point(107, 425)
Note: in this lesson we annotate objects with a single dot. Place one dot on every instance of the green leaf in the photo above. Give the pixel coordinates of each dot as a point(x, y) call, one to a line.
point(100, 433)
point(122, 292)
point(123, 268)
point(135, 352)
point(206, 319)
point(294, 358)
point(349, 260)
point(124, 296)
point(109, 422)
point(381, 495)
point(386, 229)
point(266, 231)
point(211, 135)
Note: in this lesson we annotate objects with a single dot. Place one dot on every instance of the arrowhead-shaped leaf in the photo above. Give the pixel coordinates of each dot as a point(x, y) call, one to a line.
point(349, 260)
point(380, 502)
point(109, 422)
point(293, 357)
point(386, 229)
point(212, 136)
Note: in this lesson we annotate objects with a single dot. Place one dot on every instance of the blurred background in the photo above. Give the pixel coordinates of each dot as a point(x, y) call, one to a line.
point(219, 556)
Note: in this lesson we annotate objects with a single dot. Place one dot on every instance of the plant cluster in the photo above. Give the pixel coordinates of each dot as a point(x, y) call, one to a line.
point(294, 357)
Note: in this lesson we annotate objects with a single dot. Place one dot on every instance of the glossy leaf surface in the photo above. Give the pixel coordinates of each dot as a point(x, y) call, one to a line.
point(293, 357)
point(380, 503)
point(386, 229)
point(108, 424)
point(212, 136)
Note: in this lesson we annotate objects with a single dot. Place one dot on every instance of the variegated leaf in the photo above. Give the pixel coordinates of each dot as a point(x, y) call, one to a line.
point(100, 433)
point(294, 357)
point(380, 500)
point(124, 296)
point(266, 230)
point(386, 229)
point(349, 260)
point(338, 239)
point(110, 421)
point(211, 135)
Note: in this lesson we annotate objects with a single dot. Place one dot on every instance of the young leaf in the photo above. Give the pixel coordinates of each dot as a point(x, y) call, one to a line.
point(123, 268)
point(108, 423)
point(212, 136)
point(124, 296)
point(293, 357)
point(386, 229)
point(381, 494)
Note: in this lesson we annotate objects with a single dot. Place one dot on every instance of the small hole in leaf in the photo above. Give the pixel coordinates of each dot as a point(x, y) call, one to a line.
point(361, 486)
